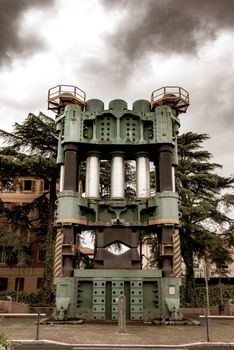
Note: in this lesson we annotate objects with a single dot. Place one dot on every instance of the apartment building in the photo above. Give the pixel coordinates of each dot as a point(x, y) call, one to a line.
point(17, 271)
point(24, 271)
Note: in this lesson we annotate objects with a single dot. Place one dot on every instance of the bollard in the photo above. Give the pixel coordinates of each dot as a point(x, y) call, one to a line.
point(122, 314)
point(207, 328)
point(38, 324)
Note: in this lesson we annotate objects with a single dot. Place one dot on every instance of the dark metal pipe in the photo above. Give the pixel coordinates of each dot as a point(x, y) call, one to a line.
point(71, 167)
point(164, 169)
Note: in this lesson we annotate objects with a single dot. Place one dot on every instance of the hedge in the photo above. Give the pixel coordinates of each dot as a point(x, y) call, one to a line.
point(214, 296)
point(33, 299)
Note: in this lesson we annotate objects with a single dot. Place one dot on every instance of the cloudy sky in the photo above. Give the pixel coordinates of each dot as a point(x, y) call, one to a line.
point(122, 49)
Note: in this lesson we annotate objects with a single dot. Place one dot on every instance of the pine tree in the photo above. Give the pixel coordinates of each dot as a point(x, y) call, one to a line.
point(35, 137)
point(206, 230)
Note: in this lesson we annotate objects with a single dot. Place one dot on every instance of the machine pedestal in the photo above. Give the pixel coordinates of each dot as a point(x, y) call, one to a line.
point(93, 295)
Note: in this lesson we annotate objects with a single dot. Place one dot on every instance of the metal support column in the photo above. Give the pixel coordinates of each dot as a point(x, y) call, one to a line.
point(165, 183)
point(166, 251)
point(71, 171)
point(71, 167)
point(164, 169)
point(68, 250)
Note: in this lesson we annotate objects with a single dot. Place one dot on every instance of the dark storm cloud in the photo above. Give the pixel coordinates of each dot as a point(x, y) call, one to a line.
point(167, 26)
point(11, 43)
point(182, 27)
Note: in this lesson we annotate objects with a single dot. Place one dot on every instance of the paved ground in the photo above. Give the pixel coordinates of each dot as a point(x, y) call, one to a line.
point(220, 331)
point(200, 346)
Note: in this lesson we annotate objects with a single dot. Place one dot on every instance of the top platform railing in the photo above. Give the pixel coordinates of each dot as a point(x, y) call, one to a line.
point(173, 96)
point(61, 95)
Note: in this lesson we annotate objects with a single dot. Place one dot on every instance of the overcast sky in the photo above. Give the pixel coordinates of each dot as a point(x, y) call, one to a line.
point(122, 49)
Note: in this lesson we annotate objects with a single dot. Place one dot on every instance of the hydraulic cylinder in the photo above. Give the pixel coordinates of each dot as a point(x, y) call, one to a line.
point(92, 182)
point(117, 176)
point(142, 176)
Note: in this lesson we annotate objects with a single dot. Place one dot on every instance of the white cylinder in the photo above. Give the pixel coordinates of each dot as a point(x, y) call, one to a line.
point(61, 181)
point(173, 179)
point(142, 177)
point(92, 176)
point(117, 177)
point(87, 177)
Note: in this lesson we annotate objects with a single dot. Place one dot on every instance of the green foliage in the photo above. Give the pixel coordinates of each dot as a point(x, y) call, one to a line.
point(32, 299)
point(36, 135)
point(130, 180)
point(32, 152)
point(151, 239)
point(23, 297)
point(31, 217)
point(105, 179)
point(199, 299)
point(206, 229)
point(46, 288)
point(5, 343)
point(13, 245)
point(10, 239)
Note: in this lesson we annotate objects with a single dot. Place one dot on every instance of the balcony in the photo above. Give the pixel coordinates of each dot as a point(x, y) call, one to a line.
point(173, 96)
point(61, 95)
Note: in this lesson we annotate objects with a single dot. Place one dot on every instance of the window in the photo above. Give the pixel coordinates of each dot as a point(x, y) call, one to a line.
point(3, 283)
point(27, 185)
point(40, 255)
point(21, 257)
point(2, 255)
point(19, 283)
point(46, 185)
point(39, 282)
point(11, 257)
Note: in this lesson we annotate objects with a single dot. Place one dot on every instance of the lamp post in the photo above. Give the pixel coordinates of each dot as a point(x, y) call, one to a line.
point(221, 304)
point(206, 274)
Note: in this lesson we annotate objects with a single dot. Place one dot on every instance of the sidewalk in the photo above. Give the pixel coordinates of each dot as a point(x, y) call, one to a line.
point(139, 334)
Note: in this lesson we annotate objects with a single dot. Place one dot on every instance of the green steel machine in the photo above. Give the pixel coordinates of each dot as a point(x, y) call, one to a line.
point(89, 134)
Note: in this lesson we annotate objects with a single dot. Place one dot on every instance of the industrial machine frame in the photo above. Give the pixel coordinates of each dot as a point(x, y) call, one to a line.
point(90, 134)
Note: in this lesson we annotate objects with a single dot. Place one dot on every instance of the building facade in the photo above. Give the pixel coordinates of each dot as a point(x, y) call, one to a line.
point(22, 270)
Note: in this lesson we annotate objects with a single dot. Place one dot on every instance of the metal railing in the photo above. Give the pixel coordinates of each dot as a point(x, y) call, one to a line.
point(174, 96)
point(38, 315)
point(170, 91)
point(69, 91)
